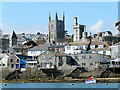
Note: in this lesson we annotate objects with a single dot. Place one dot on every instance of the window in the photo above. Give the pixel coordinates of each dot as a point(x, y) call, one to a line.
point(60, 61)
point(113, 62)
point(17, 66)
point(91, 63)
point(51, 26)
point(76, 31)
point(76, 57)
point(83, 64)
point(83, 57)
point(3, 64)
point(90, 57)
point(68, 47)
point(43, 57)
point(50, 57)
point(17, 60)
point(12, 65)
point(60, 27)
point(76, 37)
point(11, 60)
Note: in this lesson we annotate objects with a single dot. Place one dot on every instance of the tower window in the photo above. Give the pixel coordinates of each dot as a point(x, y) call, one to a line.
point(76, 31)
point(76, 37)
point(52, 26)
point(60, 27)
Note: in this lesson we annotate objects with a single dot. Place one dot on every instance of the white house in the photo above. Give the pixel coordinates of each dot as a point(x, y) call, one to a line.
point(36, 51)
point(73, 49)
point(4, 60)
point(31, 63)
point(115, 50)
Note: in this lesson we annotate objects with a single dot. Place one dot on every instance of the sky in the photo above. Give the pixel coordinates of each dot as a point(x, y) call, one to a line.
point(32, 17)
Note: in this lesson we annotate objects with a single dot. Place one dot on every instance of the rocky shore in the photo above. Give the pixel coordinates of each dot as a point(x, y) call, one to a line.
point(63, 80)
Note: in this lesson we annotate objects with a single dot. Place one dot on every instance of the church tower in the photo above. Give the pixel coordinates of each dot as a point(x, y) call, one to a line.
point(14, 39)
point(79, 31)
point(117, 24)
point(56, 29)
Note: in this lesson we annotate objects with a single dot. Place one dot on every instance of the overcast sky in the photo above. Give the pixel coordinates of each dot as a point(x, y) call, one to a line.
point(32, 17)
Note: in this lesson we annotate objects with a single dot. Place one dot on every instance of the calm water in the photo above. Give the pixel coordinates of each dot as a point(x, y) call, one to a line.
point(59, 85)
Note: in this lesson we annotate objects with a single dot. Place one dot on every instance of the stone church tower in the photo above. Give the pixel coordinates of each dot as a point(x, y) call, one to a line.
point(56, 29)
point(80, 33)
point(14, 39)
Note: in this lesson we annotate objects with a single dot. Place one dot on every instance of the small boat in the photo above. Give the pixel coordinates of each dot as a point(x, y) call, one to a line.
point(72, 84)
point(5, 84)
point(91, 80)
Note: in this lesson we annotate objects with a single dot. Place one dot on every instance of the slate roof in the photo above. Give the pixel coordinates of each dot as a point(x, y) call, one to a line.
point(56, 46)
point(40, 47)
point(92, 43)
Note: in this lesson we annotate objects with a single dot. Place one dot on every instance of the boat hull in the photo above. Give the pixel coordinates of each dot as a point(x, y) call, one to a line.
point(91, 81)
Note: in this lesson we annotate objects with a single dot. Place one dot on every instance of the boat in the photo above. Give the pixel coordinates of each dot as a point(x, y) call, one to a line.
point(91, 80)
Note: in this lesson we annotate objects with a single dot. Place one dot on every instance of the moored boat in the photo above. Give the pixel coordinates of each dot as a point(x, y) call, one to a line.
point(91, 80)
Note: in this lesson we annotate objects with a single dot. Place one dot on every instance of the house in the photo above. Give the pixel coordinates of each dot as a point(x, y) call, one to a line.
point(57, 48)
point(35, 51)
point(4, 60)
point(14, 62)
point(95, 47)
point(19, 49)
point(74, 49)
point(90, 61)
point(30, 61)
point(52, 60)
point(115, 50)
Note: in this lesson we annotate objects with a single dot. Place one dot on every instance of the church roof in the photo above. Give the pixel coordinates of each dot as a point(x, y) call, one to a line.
point(14, 35)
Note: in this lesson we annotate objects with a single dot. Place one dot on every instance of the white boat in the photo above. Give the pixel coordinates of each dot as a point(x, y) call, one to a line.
point(91, 80)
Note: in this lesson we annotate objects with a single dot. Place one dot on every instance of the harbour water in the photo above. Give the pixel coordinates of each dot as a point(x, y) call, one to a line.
point(59, 85)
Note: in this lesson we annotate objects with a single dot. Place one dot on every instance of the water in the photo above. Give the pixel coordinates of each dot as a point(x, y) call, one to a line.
point(59, 85)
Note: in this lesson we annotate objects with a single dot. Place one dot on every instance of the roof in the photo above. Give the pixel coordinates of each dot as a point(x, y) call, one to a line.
point(22, 61)
point(40, 47)
point(117, 23)
point(92, 43)
point(53, 53)
point(109, 32)
point(24, 57)
point(56, 46)
point(116, 44)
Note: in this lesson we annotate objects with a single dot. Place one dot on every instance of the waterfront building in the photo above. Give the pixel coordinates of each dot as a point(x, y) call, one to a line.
point(56, 29)
point(90, 61)
point(115, 50)
point(31, 61)
point(54, 60)
point(14, 62)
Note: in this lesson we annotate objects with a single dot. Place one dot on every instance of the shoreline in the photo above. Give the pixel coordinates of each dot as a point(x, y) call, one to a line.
point(59, 80)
